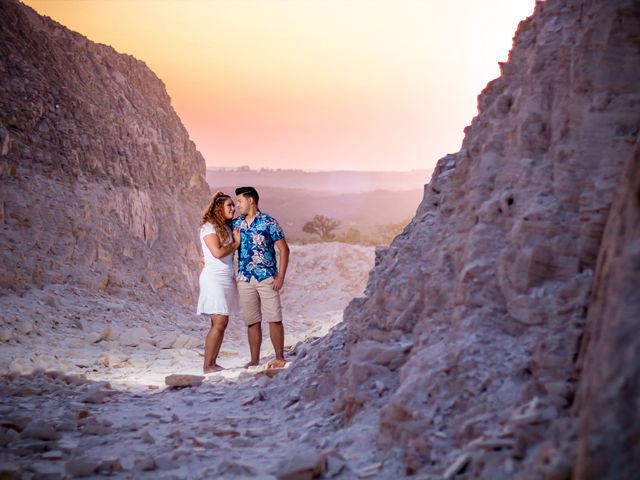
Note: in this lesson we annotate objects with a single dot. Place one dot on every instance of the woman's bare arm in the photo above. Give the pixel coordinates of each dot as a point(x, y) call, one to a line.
point(216, 248)
point(200, 259)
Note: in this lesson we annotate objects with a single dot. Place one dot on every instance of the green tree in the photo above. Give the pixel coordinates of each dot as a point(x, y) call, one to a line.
point(387, 232)
point(352, 235)
point(321, 226)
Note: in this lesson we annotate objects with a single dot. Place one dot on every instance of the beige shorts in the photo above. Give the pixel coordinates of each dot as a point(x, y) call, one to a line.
point(258, 300)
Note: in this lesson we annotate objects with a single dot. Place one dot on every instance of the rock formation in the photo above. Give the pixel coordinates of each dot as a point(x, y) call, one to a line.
point(608, 396)
point(101, 186)
point(497, 337)
point(467, 340)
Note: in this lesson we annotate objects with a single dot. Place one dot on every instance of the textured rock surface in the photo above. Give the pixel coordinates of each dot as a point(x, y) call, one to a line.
point(101, 185)
point(467, 338)
point(608, 396)
point(181, 380)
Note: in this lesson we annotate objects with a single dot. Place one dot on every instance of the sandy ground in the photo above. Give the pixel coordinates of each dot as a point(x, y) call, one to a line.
point(83, 390)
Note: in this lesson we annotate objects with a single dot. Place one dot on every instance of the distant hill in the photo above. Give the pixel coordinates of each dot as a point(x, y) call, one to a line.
point(366, 201)
point(364, 211)
point(333, 181)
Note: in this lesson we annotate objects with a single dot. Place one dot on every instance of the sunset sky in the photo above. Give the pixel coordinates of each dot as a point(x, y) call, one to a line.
point(312, 84)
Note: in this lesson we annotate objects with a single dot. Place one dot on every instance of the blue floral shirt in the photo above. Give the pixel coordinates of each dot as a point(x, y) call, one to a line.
point(257, 254)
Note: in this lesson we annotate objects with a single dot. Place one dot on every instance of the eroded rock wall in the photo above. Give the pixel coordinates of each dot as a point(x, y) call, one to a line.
point(608, 394)
point(101, 185)
point(466, 340)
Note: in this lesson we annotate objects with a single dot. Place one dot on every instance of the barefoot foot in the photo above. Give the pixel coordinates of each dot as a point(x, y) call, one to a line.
point(250, 364)
point(276, 363)
point(212, 369)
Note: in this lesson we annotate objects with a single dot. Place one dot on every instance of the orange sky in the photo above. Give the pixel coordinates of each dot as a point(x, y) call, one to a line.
point(312, 84)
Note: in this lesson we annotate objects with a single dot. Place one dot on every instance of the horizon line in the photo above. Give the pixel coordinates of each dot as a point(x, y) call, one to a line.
point(246, 168)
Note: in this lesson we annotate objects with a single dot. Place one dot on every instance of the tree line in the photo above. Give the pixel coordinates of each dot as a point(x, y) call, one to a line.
point(322, 228)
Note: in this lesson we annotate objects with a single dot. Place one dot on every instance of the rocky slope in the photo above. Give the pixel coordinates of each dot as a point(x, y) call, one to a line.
point(82, 384)
point(101, 186)
point(608, 396)
point(464, 349)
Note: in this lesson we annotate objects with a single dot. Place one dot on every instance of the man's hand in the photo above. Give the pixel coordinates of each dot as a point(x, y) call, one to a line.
point(201, 263)
point(278, 280)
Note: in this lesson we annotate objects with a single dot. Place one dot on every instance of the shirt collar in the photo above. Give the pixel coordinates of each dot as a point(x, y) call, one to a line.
point(243, 218)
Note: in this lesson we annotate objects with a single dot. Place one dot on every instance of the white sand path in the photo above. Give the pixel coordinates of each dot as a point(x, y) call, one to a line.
point(104, 395)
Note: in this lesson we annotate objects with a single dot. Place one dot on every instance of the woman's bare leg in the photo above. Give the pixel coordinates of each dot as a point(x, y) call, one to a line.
point(213, 342)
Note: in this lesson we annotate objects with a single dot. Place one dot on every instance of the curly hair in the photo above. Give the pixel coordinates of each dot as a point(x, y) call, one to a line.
point(214, 214)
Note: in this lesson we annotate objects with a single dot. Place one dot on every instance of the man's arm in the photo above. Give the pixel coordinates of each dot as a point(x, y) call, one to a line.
point(283, 263)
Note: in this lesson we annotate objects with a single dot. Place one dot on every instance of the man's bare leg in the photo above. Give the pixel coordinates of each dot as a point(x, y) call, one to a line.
point(276, 332)
point(254, 332)
point(213, 342)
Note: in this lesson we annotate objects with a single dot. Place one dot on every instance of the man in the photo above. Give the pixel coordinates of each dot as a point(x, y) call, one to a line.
point(259, 278)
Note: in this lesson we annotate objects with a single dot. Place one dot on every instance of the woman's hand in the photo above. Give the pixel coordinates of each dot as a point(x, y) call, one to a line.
point(236, 236)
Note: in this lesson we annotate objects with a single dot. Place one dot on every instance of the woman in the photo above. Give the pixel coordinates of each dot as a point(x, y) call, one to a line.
point(218, 290)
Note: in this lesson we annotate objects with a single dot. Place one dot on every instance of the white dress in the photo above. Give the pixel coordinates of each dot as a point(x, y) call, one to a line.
point(218, 288)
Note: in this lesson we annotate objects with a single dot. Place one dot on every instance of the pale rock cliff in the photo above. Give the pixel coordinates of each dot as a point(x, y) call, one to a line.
point(101, 185)
point(608, 395)
point(464, 348)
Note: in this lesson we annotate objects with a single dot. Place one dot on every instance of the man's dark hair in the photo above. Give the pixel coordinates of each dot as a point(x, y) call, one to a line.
point(248, 192)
